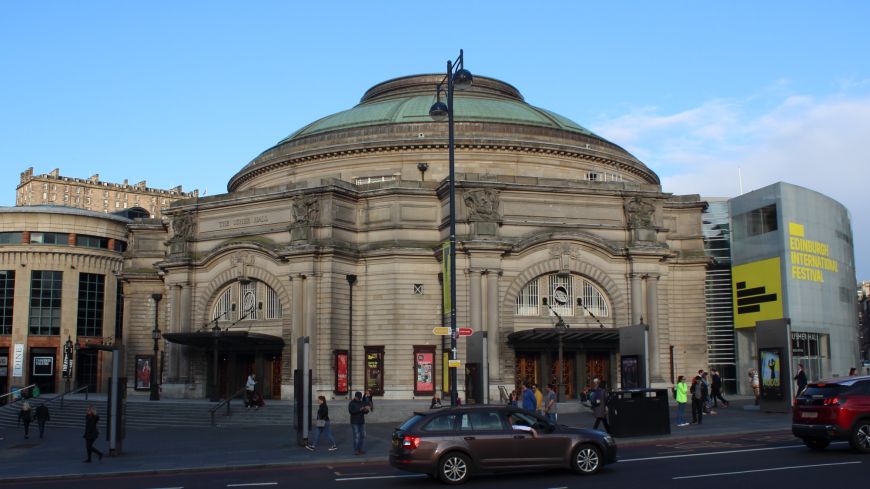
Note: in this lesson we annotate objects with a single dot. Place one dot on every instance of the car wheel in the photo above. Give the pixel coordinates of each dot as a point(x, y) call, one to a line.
point(586, 460)
point(816, 443)
point(860, 439)
point(454, 468)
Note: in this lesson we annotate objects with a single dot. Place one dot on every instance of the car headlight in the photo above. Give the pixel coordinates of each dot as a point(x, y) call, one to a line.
point(608, 439)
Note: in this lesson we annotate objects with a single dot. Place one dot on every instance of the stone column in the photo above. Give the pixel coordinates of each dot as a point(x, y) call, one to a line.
point(184, 324)
point(310, 286)
point(492, 315)
point(652, 299)
point(476, 305)
point(173, 326)
point(636, 299)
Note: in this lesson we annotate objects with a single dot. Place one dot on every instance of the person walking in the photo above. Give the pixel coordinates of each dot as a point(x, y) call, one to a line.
point(550, 403)
point(598, 399)
point(699, 397)
point(680, 394)
point(357, 411)
point(249, 390)
point(25, 415)
point(539, 399)
point(529, 402)
point(42, 415)
point(800, 379)
point(716, 389)
point(321, 426)
point(91, 433)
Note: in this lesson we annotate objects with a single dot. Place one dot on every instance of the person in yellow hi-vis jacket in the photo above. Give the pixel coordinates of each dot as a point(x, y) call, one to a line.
point(681, 394)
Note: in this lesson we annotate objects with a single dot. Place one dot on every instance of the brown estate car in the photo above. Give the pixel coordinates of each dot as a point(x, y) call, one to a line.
point(451, 444)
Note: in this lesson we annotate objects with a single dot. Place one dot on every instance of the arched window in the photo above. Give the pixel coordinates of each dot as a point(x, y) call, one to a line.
point(567, 295)
point(249, 301)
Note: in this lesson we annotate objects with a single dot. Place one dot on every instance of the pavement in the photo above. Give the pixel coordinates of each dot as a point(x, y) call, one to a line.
point(61, 452)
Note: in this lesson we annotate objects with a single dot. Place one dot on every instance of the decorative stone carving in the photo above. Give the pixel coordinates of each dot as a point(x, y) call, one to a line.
point(639, 215)
point(183, 229)
point(305, 212)
point(564, 252)
point(482, 205)
point(241, 262)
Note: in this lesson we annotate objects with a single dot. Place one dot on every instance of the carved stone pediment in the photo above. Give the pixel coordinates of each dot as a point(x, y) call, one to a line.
point(482, 205)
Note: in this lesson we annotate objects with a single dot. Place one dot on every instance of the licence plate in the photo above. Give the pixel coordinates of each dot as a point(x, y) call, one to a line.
point(809, 414)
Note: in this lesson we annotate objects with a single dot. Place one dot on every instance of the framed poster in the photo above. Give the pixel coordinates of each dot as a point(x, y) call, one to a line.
point(143, 372)
point(424, 370)
point(43, 366)
point(771, 373)
point(374, 372)
point(630, 371)
point(340, 371)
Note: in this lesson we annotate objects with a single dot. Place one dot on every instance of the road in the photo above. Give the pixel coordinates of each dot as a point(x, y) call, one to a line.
point(758, 460)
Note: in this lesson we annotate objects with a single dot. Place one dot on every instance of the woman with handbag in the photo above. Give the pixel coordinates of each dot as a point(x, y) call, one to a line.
point(321, 426)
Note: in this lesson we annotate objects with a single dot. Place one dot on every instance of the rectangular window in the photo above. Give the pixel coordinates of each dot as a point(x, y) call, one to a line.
point(91, 298)
point(45, 295)
point(11, 238)
point(7, 296)
point(49, 238)
point(755, 222)
point(92, 241)
point(120, 245)
point(377, 179)
point(527, 300)
point(593, 176)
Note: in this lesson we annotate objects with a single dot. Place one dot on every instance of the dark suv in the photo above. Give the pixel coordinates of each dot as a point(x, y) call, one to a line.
point(835, 409)
point(451, 444)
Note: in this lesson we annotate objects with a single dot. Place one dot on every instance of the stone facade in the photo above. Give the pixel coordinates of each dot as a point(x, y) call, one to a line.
point(93, 194)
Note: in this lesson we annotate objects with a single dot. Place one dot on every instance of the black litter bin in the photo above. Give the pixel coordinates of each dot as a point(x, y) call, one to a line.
point(639, 412)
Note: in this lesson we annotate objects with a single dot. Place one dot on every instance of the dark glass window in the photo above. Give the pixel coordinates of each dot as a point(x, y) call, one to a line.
point(49, 238)
point(92, 241)
point(45, 294)
point(120, 246)
point(119, 311)
point(755, 222)
point(7, 296)
point(91, 299)
point(445, 422)
point(11, 238)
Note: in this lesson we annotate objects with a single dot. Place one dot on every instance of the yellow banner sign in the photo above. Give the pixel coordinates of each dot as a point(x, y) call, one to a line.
point(454, 363)
point(757, 292)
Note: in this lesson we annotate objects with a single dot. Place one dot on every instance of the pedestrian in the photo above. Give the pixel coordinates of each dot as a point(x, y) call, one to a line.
point(529, 402)
point(756, 384)
point(699, 398)
point(716, 389)
point(357, 411)
point(249, 389)
point(598, 398)
point(512, 399)
point(800, 379)
point(368, 400)
point(42, 415)
point(321, 426)
point(91, 433)
point(436, 403)
point(853, 371)
point(550, 405)
point(539, 399)
point(680, 394)
point(25, 415)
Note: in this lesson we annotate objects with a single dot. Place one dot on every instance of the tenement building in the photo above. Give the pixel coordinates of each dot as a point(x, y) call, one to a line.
point(93, 194)
point(335, 234)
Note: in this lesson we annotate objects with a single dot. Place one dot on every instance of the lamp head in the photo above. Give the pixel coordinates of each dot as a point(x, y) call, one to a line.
point(438, 111)
point(462, 79)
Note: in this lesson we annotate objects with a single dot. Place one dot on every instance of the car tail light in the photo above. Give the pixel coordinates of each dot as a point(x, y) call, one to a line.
point(832, 401)
point(410, 442)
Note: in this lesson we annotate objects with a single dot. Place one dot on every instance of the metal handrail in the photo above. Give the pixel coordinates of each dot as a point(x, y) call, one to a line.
point(225, 402)
point(61, 396)
point(19, 392)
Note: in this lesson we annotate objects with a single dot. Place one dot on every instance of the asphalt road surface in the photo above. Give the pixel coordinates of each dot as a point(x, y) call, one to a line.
point(743, 461)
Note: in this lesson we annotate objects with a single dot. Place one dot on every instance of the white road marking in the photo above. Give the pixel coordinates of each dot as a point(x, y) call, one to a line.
point(416, 476)
point(766, 470)
point(251, 484)
point(179, 487)
point(724, 452)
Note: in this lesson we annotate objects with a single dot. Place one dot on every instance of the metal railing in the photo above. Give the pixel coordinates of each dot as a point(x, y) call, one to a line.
point(84, 388)
point(225, 402)
point(18, 393)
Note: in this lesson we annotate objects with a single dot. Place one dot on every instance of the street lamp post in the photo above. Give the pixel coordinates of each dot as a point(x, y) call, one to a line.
point(351, 279)
point(155, 335)
point(457, 78)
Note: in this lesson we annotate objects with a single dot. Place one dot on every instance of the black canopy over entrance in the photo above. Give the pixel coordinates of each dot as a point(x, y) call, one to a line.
point(227, 340)
point(545, 338)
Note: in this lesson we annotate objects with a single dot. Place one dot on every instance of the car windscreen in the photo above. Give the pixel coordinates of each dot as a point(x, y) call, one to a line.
point(411, 422)
point(822, 391)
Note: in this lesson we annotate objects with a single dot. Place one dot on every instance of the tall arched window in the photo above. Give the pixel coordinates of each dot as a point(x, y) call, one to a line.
point(565, 294)
point(249, 300)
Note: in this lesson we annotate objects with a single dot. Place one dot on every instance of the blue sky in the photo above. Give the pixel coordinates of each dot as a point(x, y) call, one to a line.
point(186, 93)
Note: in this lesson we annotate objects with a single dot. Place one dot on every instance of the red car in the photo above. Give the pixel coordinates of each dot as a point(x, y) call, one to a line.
point(834, 409)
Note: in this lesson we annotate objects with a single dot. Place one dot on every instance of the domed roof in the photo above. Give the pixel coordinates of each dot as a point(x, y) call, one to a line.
point(408, 99)
point(395, 114)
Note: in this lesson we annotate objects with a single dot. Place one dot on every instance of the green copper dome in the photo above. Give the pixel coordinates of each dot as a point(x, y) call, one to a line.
point(408, 99)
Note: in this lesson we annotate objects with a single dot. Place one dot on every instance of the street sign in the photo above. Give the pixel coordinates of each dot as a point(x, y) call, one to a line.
point(441, 330)
point(454, 363)
point(465, 331)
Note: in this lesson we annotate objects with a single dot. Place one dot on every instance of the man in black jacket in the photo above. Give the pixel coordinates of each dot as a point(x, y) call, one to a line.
point(42, 415)
point(357, 411)
point(716, 389)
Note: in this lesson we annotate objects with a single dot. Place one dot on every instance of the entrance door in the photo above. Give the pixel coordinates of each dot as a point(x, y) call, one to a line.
point(473, 393)
point(527, 368)
point(567, 374)
point(86, 369)
point(598, 365)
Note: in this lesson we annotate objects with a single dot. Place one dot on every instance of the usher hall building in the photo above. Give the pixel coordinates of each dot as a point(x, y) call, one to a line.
point(335, 234)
